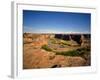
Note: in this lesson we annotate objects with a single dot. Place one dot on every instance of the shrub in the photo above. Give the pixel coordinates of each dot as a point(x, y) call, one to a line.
point(78, 52)
point(45, 47)
point(83, 49)
point(68, 53)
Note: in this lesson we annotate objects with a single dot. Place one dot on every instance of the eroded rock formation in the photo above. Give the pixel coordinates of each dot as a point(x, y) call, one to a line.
point(42, 59)
point(36, 57)
point(81, 39)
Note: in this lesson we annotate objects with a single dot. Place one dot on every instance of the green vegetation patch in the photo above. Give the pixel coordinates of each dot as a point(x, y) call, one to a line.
point(65, 43)
point(60, 42)
point(45, 47)
point(53, 41)
point(78, 52)
point(69, 53)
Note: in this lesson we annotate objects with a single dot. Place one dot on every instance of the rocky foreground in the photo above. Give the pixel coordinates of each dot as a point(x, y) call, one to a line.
point(51, 51)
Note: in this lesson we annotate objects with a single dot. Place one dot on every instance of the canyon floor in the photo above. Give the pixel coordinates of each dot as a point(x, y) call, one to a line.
point(48, 51)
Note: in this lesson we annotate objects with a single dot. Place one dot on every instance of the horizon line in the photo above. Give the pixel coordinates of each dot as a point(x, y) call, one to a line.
point(57, 33)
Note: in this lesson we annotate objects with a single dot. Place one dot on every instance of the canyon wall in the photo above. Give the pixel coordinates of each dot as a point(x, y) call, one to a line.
point(81, 39)
point(42, 39)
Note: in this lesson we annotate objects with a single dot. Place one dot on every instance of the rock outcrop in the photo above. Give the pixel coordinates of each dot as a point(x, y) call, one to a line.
point(36, 40)
point(85, 41)
point(79, 38)
point(39, 58)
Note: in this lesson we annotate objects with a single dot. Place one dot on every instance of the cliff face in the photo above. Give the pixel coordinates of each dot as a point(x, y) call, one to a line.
point(36, 39)
point(86, 42)
point(41, 40)
point(81, 39)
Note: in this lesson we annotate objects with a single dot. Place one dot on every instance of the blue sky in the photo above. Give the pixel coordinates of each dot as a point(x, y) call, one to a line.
point(56, 22)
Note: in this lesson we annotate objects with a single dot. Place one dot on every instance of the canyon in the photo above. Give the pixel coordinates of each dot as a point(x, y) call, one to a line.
point(56, 50)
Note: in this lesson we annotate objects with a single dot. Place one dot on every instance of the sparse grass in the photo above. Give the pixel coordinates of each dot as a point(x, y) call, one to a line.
point(65, 42)
point(53, 41)
point(60, 42)
point(68, 53)
point(78, 52)
point(45, 47)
